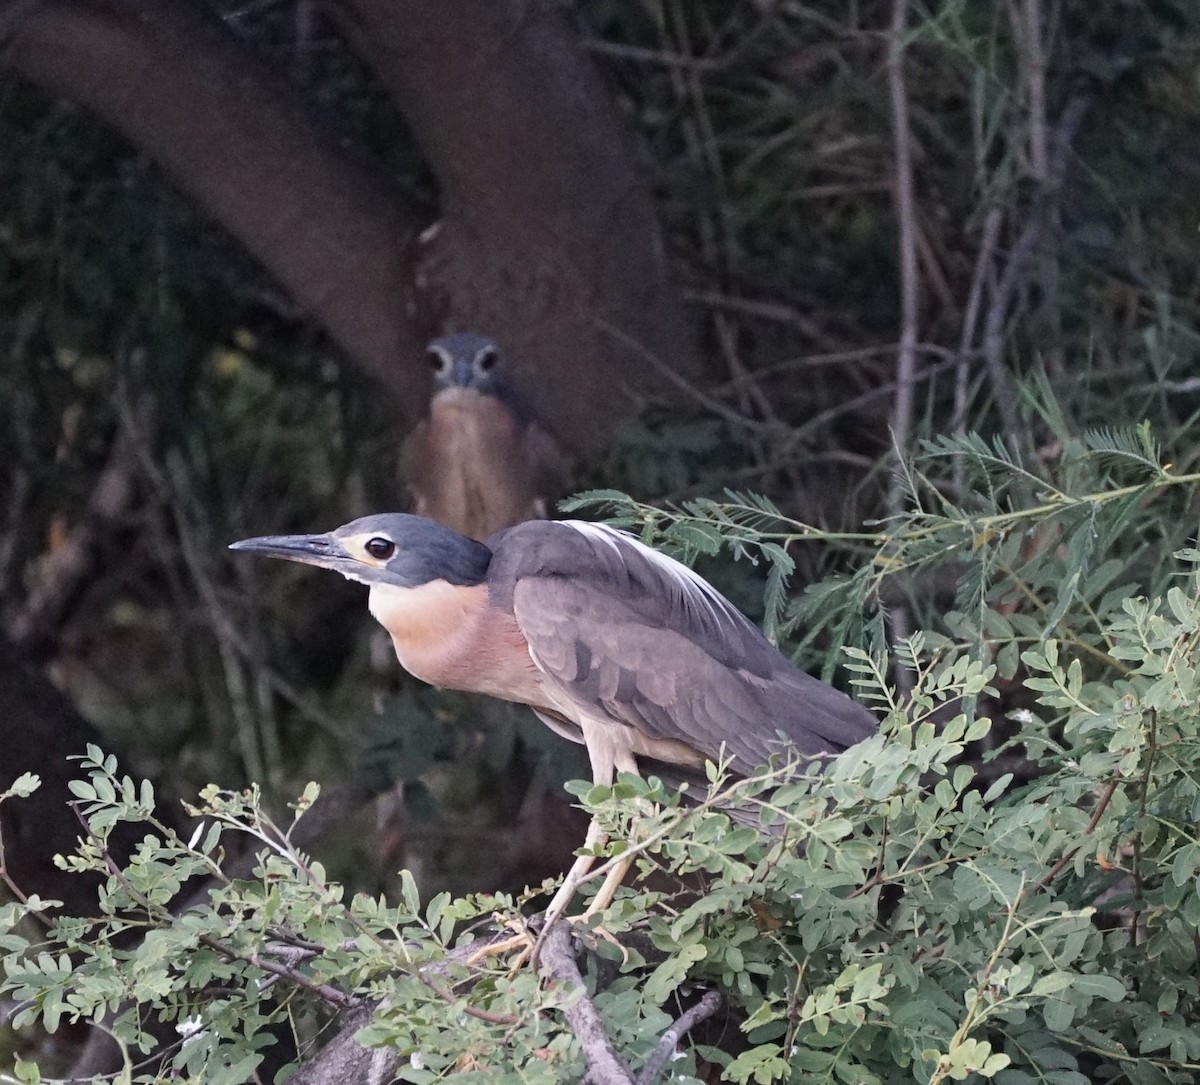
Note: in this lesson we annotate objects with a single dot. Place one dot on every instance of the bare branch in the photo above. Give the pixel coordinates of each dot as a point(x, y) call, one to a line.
point(1013, 275)
point(987, 248)
point(67, 570)
point(1035, 85)
point(906, 219)
point(605, 1066)
point(702, 1011)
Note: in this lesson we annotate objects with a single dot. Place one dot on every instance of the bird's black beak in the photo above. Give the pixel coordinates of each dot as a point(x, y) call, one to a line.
point(323, 550)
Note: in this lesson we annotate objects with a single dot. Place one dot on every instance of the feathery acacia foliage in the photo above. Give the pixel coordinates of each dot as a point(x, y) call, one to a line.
point(916, 914)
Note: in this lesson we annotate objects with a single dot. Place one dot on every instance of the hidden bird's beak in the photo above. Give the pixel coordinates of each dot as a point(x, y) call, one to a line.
point(323, 550)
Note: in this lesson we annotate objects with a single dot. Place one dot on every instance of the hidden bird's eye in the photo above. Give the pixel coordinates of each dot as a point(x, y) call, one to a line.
point(486, 360)
point(380, 549)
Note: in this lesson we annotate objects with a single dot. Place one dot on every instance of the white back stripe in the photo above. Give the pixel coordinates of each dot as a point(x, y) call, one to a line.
point(696, 590)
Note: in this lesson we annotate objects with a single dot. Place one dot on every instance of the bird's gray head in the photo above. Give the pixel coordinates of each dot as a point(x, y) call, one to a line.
point(465, 360)
point(395, 548)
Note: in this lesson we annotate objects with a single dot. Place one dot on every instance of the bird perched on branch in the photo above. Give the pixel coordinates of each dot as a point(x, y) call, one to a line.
point(610, 642)
point(480, 461)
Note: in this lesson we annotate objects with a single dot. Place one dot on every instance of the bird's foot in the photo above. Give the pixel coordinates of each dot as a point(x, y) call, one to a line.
point(528, 947)
point(522, 939)
point(583, 924)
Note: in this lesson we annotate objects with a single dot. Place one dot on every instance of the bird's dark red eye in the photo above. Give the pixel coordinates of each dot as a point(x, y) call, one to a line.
point(381, 549)
point(486, 360)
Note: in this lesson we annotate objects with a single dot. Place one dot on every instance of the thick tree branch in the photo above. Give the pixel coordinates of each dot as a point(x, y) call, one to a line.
point(605, 1066)
point(344, 1061)
point(235, 137)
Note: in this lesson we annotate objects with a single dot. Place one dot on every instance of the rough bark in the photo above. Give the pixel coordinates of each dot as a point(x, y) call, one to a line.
point(605, 1064)
point(344, 1062)
point(235, 137)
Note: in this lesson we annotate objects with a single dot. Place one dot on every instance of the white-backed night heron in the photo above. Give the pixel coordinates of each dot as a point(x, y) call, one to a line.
point(611, 643)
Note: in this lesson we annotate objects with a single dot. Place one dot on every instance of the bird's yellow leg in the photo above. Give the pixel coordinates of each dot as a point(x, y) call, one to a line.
point(596, 838)
point(607, 760)
point(523, 940)
point(608, 890)
point(602, 899)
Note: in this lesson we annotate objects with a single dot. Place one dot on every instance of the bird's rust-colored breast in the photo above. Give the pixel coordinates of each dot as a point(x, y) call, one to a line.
point(469, 466)
point(449, 636)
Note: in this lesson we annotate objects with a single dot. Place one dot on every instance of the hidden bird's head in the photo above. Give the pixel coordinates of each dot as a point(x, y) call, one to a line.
point(394, 549)
point(465, 360)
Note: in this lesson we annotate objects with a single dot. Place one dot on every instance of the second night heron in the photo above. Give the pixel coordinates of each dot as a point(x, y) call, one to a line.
point(611, 643)
point(480, 461)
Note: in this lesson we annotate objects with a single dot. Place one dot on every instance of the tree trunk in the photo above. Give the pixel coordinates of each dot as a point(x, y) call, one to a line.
point(549, 240)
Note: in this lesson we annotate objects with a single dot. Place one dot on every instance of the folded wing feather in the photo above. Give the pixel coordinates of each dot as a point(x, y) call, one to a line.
point(623, 631)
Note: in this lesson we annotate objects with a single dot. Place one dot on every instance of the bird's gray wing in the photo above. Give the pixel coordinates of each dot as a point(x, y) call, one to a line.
point(621, 629)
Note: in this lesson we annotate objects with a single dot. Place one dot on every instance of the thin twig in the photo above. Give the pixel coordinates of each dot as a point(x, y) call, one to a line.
point(73, 562)
point(161, 914)
point(665, 1048)
point(996, 324)
point(1012, 277)
point(1035, 85)
point(778, 312)
point(987, 248)
point(708, 402)
point(659, 57)
point(223, 626)
point(1088, 829)
point(6, 878)
point(975, 1015)
point(962, 374)
point(283, 971)
point(906, 219)
point(906, 355)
